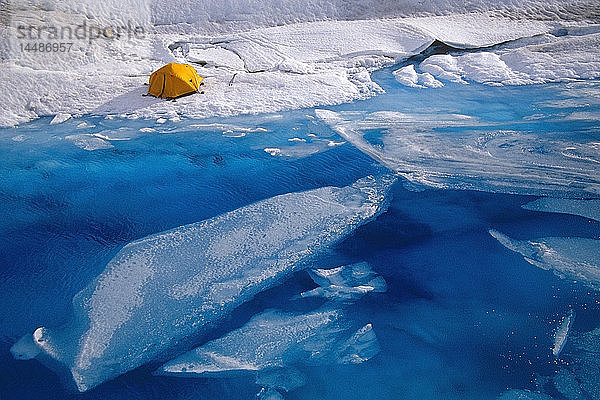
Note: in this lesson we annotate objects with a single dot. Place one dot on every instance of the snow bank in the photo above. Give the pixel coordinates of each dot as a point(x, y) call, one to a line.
point(167, 286)
point(273, 55)
point(561, 59)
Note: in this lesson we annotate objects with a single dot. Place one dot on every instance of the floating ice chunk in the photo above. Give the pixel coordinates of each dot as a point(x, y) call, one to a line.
point(274, 340)
point(25, 348)
point(271, 339)
point(560, 335)
point(584, 208)
point(167, 286)
point(362, 346)
point(269, 394)
point(451, 151)
point(60, 118)
point(345, 282)
point(272, 151)
point(18, 138)
point(89, 142)
point(574, 258)
point(83, 125)
point(516, 394)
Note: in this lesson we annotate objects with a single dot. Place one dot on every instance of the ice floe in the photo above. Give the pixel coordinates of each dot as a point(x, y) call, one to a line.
point(89, 142)
point(562, 330)
point(346, 282)
point(162, 288)
point(274, 339)
point(573, 258)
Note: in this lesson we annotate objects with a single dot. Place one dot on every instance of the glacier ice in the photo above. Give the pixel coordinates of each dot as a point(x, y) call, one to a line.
point(562, 330)
point(345, 282)
point(165, 287)
point(453, 150)
point(275, 339)
point(572, 257)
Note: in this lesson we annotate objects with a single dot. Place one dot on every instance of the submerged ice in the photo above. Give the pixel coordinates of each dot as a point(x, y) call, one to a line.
point(453, 150)
point(573, 258)
point(275, 339)
point(346, 282)
point(164, 287)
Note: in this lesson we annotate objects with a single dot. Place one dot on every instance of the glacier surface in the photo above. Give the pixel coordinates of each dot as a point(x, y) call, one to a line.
point(165, 287)
point(271, 56)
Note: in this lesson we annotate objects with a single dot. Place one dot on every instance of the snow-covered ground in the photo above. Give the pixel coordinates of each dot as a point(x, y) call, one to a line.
point(266, 56)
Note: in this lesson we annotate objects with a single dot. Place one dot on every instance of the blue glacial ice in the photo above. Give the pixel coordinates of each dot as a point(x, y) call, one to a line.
point(275, 339)
point(571, 257)
point(165, 287)
point(456, 150)
point(346, 282)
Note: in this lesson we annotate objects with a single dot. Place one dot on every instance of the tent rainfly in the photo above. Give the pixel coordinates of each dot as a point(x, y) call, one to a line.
point(174, 80)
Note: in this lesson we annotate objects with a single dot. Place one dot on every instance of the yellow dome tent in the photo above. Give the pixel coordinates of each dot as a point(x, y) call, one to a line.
point(174, 80)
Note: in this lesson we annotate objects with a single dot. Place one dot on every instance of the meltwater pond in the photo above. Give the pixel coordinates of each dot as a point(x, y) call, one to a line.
point(463, 285)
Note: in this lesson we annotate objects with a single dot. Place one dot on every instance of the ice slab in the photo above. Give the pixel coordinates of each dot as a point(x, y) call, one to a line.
point(452, 151)
point(347, 282)
point(572, 258)
point(272, 339)
point(275, 339)
point(562, 330)
point(89, 142)
point(269, 394)
point(162, 288)
point(584, 208)
point(25, 348)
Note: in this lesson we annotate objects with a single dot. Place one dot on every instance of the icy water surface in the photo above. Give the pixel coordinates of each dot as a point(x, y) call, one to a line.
point(476, 286)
